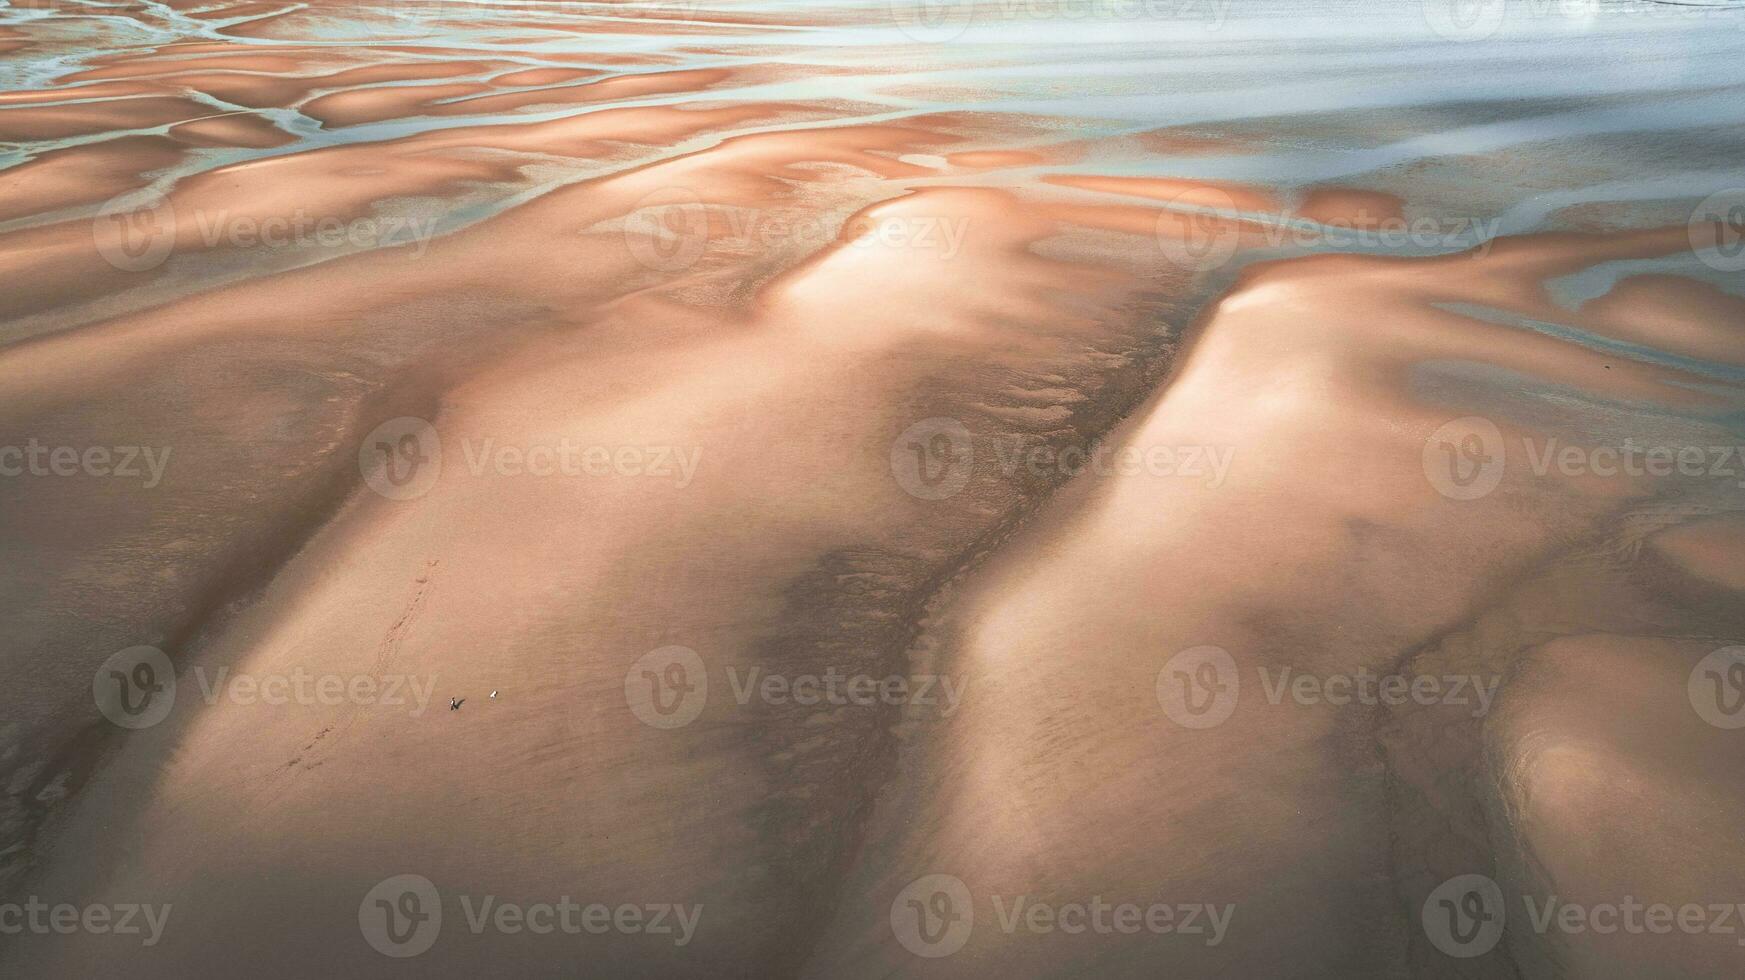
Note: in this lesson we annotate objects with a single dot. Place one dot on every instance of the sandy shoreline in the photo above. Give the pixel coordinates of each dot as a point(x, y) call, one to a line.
point(656, 369)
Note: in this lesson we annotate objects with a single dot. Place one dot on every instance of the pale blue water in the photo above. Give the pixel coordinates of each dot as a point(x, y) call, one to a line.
point(1506, 114)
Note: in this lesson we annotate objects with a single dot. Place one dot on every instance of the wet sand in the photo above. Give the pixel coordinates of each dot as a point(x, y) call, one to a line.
point(1090, 371)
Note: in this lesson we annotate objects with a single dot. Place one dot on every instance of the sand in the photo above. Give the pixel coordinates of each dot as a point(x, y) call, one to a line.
point(767, 345)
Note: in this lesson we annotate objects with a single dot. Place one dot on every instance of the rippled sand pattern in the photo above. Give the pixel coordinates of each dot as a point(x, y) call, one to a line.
point(1093, 391)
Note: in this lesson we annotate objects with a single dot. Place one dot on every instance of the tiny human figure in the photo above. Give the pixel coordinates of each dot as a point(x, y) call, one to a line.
point(454, 703)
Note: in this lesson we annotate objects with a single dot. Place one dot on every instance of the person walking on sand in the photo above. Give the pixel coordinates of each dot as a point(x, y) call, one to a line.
point(454, 703)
